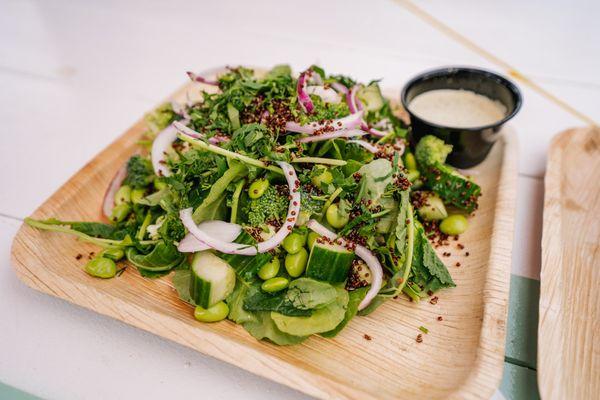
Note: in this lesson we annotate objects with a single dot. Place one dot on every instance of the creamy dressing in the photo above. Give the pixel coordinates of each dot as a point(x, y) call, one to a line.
point(457, 108)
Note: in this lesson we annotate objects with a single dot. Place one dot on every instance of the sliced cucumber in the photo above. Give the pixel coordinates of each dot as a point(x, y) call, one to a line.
point(212, 279)
point(329, 262)
point(371, 97)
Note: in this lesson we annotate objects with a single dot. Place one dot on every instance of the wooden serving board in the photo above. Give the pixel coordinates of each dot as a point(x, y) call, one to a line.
point(462, 356)
point(569, 327)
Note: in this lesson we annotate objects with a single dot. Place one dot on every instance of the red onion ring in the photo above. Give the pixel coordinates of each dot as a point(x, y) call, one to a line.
point(222, 230)
point(198, 78)
point(327, 94)
point(303, 97)
point(332, 135)
point(368, 146)
point(262, 247)
point(109, 197)
point(339, 87)
point(348, 122)
point(369, 258)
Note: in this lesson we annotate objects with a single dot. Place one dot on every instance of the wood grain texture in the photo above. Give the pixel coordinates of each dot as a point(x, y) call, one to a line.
point(569, 327)
point(461, 357)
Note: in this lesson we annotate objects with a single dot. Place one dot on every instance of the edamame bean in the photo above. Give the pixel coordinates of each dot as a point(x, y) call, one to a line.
point(433, 208)
point(412, 175)
point(269, 270)
point(215, 313)
point(296, 263)
point(159, 184)
point(274, 284)
point(312, 238)
point(294, 242)
point(123, 195)
point(120, 212)
point(114, 254)
point(410, 162)
point(335, 217)
point(101, 267)
point(324, 176)
point(454, 225)
point(137, 195)
point(258, 188)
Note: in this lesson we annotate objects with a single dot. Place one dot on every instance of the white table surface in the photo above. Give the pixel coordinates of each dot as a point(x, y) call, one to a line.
point(75, 75)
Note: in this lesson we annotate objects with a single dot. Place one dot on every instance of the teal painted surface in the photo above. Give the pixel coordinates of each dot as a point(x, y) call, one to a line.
point(11, 393)
point(522, 329)
point(519, 383)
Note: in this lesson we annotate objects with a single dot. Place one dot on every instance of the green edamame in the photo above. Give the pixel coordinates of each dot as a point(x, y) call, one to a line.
point(412, 175)
point(113, 253)
point(123, 195)
point(258, 188)
point(269, 270)
point(101, 267)
point(294, 242)
point(296, 263)
point(454, 225)
point(324, 176)
point(215, 313)
point(120, 212)
point(433, 208)
point(312, 238)
point(159, 184)
point(410, 162)
point(275, 284)
point(137, 195)
point(335, 217)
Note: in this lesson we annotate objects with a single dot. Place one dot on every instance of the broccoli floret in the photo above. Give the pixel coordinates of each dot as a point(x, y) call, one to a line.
point(139, 172)
point(171, 229)
point(432, 150)
point(271, 205)
point(160, 118)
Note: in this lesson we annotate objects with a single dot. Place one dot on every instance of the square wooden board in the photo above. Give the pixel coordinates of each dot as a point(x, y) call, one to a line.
point(462, 356)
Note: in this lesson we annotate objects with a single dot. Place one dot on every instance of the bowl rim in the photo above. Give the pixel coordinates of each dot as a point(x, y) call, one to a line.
point(454, 69)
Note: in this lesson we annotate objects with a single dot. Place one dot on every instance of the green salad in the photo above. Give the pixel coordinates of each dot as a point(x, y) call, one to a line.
point(286, 204)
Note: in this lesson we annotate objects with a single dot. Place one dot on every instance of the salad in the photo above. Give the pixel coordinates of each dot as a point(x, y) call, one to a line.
point(288, 205)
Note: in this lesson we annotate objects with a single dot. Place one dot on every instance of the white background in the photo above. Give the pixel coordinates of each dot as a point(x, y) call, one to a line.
point(75, 74)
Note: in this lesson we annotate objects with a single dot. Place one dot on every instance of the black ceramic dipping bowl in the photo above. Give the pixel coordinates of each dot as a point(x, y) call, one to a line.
point(470, 145)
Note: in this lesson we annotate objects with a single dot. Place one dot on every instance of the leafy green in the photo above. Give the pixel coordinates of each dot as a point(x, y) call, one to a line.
point(181, 283)
point(309, 294)
point(235, 301)
point(213, 206)
point(139, 172)
point(160, 118)
point(252, 140)
point(163, 257)
point(429, 272)
point(265, 328)
point(376, 176)
point(262, 301)
point(354, 299)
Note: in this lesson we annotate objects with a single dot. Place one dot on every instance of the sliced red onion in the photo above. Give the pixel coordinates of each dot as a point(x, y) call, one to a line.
point(303, 97)
point(368, 146)
point(222, 230)
point(354, 103)
point(339, 87)
point(385, 123)
point(217, 139)
point(160, 145)
point(109, 197)
point(328, 95)
point(314, 77)
point(332, 135)
point(262, 247)
point(373, 131)
point(198, 78)
point(369, 258)
point(348, 122)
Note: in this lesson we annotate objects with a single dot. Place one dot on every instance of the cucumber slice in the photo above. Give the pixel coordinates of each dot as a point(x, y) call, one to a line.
point(371, 97)
point(329, 262)
point(212, 279)
point(322, 320)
